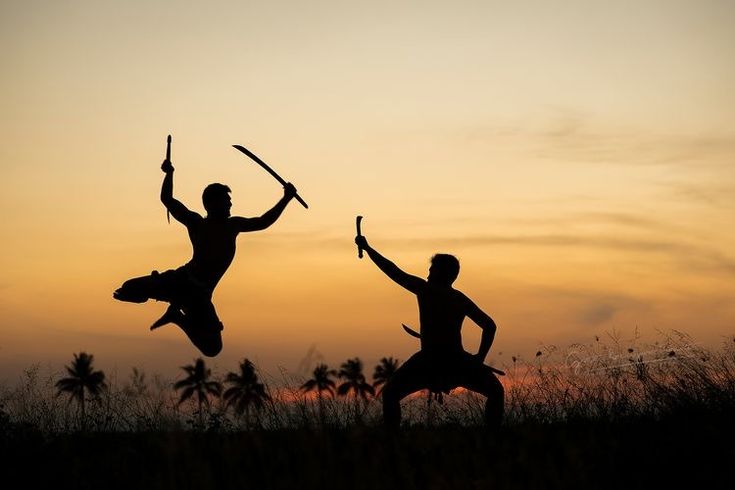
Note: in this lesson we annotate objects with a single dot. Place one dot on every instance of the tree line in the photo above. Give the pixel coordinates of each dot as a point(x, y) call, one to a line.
point(242, 390)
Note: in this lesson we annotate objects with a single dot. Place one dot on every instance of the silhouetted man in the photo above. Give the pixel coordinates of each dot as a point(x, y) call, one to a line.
point(442, 364)
point(189, 288)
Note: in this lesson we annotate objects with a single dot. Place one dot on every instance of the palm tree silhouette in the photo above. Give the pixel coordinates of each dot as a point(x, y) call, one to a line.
point(245, 391)
point(198, 382)
point(351, 372)
point(320, 383)
point(383, 373)
point(82, 378)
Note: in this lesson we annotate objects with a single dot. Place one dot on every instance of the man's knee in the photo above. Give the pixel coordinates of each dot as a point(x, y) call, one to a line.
point(211, 347)
point(207, 339)
point(211, 341)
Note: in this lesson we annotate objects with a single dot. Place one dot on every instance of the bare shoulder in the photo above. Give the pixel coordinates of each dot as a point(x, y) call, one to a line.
point(193, 220)
point(186, 216)
point(463, 300)
point(195, 217)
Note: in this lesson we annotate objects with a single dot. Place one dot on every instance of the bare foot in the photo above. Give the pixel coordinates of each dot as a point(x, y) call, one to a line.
point(172, 315)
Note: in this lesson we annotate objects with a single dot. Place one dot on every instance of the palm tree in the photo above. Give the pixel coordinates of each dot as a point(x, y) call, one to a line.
point(319, 383)
point(383, 373)
point(351, 372)
point(82, 378)
point(198, 382)
point(245, 391)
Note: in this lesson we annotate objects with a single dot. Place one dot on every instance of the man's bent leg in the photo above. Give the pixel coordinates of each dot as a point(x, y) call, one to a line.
point(207, 340)
point(202, 325)
point(137, 290)
point(158, 286)
point(409, 378)
point(495, 403)
point(391, 407)
point(481, 379)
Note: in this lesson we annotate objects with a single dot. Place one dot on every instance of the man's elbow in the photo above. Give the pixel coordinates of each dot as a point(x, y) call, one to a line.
point(490, 326)
point(265, 221)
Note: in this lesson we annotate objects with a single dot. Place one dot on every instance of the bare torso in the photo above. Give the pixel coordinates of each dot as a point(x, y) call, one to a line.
point(441, 310)
point(214, 244)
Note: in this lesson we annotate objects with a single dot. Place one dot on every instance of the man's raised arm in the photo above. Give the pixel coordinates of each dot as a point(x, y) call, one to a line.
point(180, 212)
point(412, 283)
point(270, 216)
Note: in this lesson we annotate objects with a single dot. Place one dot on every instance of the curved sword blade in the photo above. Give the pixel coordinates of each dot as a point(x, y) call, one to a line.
point(260, 162)
point(410, 331)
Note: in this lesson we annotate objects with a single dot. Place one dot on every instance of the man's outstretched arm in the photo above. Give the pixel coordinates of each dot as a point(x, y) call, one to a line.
point(488, 327)
point(270, 216)
point(412, 283)
point(180, 212)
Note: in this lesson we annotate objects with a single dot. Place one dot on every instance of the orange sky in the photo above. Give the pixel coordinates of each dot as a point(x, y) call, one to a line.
point(576, 156)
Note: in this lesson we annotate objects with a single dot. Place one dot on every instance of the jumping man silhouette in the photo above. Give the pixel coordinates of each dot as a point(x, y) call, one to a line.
point(189, 288)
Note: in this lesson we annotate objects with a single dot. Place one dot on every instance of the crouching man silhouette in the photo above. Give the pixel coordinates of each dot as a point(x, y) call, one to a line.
point(189, 288)
point(442, 364)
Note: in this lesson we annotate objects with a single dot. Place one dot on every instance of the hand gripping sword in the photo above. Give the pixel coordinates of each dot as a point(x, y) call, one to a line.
point(260, 162)
point(358, 220)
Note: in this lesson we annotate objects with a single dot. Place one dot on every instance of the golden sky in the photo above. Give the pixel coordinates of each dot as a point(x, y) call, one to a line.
point(577, 156)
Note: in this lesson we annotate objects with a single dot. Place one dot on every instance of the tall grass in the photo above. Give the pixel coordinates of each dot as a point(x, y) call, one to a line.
point(603, 380)
point(611, 380)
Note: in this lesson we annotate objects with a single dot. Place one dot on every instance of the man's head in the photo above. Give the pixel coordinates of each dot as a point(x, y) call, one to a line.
point(216, 199)
point(444, 269)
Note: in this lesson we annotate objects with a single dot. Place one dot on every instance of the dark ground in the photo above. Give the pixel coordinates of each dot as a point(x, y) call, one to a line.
point(695, 452)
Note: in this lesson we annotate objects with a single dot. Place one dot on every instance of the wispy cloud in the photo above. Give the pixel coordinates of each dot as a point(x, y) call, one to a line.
point(578, 139)
point(574, 138)
point(719, 195)
point(627, 221)
point(598, 314)
point(689, 255)
point(592, 308)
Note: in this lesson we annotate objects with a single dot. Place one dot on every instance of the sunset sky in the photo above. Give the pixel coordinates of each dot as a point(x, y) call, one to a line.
point(577, 156)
